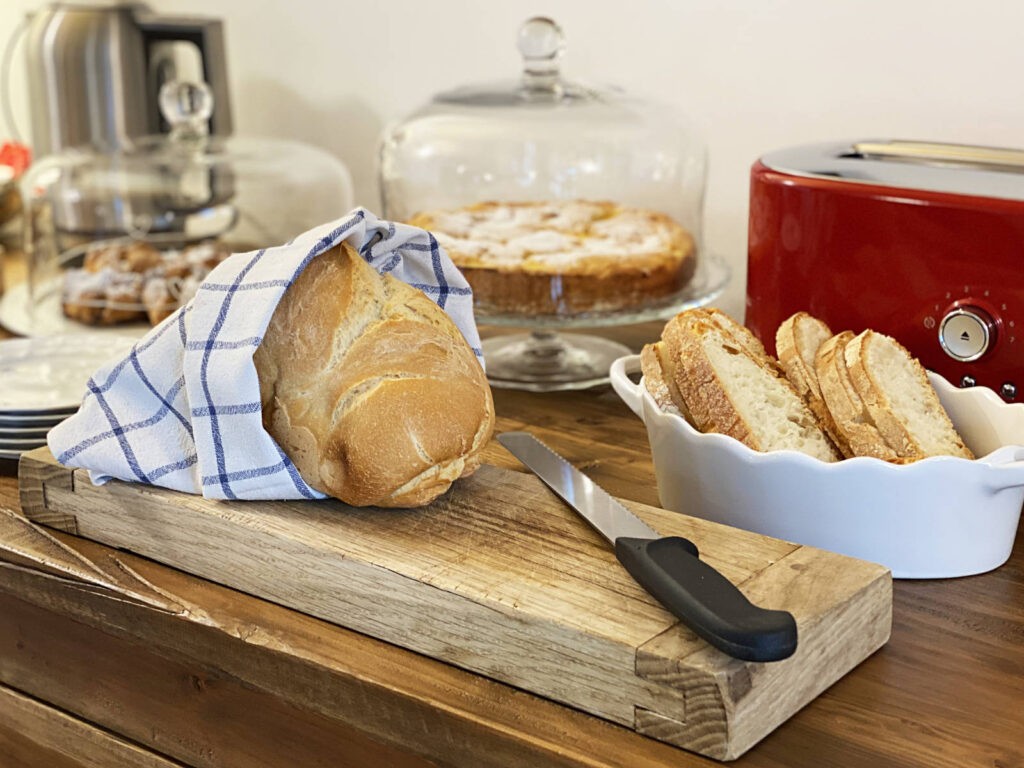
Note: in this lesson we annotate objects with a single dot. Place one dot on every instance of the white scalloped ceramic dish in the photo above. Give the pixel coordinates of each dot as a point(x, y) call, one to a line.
point(936, 518)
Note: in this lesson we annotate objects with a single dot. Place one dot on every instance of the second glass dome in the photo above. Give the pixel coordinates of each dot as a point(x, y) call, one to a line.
point(119, 240)
point(562, 204)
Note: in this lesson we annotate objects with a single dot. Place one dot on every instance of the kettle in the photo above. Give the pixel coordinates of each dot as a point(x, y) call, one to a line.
point(95, 73)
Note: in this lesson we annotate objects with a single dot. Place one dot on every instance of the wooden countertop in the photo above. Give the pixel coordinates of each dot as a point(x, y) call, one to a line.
point(87, 678)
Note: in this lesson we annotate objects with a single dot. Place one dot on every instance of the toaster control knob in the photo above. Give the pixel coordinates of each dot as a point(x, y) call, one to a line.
point(966, 333)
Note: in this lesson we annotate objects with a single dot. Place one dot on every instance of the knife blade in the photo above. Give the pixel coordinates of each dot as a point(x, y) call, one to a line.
point(668, 567)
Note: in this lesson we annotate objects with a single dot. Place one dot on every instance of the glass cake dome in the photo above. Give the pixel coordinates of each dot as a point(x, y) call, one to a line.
point(119, 239)
point(564, 205)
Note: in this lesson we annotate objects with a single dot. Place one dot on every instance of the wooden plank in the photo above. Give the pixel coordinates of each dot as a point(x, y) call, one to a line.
point(763, 696)
point(34, 734)
point(942, 692)
point(500, 578)
point(193, 713)
point(347, 690)
point(40, 476)
point(27, 545)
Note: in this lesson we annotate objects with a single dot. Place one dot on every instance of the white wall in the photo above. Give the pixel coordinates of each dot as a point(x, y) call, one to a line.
point(758, 74)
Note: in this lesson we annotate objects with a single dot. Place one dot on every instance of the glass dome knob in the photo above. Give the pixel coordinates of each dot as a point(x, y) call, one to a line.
point(186, 106)
point(541, 44)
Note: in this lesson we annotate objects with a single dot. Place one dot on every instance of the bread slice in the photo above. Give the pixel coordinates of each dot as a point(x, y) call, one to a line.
point(900, 400)
point(730, 386)
point(740, 334)
point(654, 378)
point(797, 342)
point(668, 367)
point(856, 433)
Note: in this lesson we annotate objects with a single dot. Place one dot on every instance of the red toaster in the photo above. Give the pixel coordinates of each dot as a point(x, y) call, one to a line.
point(921, 241)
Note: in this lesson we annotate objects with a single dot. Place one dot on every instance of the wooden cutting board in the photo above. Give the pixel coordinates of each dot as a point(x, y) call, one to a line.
point(501, 578)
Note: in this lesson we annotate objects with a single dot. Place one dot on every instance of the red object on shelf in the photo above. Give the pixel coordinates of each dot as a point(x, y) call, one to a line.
point(896, 257)
point(16, 156)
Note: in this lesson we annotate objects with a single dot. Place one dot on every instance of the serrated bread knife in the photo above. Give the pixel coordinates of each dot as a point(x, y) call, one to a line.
point(666, 566)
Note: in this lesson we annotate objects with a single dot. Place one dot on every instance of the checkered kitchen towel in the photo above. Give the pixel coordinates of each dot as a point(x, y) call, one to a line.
point(182, 410)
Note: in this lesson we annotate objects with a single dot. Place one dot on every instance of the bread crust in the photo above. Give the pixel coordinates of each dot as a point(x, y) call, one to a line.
point(705, 394)
point(654, 377)
point(369, 387)
point(856, 432)
point(659, 379)
point(799, 371)
point(740, 335)
point(791, 338)
point(698, 382)
point(884, 414)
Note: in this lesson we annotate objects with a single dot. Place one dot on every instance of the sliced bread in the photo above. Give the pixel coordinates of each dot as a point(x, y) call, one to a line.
point(739, 334)
point(856, 433)
point(654, 379)
point(797, 342)
point(900, 400)
point(730, 386)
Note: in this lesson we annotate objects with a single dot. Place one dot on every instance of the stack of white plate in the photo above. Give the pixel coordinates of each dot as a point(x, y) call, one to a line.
point(42, 382)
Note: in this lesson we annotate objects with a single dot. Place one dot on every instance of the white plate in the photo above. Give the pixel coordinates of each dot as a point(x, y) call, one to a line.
point(22, 445)
point(23, 433)
point(42, 414)
point(50, 373)
point(27, 420)
point(18, 315)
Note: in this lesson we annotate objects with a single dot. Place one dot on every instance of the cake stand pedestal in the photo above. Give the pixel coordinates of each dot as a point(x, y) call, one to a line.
point(546, 361)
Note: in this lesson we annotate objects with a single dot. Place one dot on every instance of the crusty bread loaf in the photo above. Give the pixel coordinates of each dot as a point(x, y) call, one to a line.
point(899, 399)
point(369, 387)
point(730, 386)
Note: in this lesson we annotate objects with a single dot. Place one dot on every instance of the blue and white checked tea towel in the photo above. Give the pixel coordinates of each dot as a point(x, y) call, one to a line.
point(182, 410)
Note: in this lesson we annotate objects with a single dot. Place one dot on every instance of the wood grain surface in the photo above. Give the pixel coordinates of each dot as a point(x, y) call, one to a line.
point(945, 691)
point(499, 577)
point(27, 725)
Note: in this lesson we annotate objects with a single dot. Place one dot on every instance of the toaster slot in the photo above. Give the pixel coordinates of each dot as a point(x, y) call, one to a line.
point(933, 153)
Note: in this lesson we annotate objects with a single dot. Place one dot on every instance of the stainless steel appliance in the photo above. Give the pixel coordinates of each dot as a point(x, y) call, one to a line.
point(95, 73)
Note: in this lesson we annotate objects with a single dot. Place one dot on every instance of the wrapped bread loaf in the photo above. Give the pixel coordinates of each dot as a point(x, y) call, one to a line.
point(369, 387)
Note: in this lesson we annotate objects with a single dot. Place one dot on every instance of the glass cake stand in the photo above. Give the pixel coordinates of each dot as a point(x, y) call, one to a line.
point(547, 358)
point(542, 140)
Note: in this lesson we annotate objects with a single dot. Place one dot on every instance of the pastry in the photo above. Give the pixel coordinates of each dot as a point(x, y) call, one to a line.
point(563, 258)
point(106, 297)
point(135, 281)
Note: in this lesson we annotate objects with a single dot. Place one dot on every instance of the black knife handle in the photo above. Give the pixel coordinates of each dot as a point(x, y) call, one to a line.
point(706, 601)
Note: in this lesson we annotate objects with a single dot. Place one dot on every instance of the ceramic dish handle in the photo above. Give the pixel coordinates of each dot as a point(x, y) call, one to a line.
point(631, 394)
point(1008, 463)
